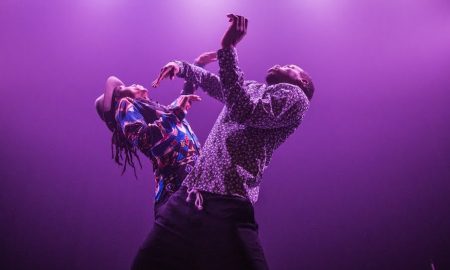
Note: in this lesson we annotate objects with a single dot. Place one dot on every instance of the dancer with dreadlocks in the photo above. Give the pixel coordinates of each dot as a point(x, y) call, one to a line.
point(160, 132)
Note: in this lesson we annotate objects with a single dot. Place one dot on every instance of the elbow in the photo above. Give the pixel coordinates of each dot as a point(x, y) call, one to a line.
point(112, 82)
point(112, 79)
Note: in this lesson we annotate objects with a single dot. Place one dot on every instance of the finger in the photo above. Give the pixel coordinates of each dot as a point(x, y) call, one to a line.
point(155, 83)
point(231, 17)
point(161, 77)
point(157, 80)
point(167, 71)
point(238, 23)
point(161, 74)
point(241, 23)
point(245, 25)
point(164, 73)
point(194, 98)
point(183, 101)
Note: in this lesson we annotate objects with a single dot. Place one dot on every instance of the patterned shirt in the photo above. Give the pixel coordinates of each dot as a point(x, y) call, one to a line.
point(255, 120)
point(164, 136)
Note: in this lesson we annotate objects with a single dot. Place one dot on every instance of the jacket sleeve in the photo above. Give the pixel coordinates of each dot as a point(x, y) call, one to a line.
point(281, 105)
point(198, 76)
point(188, 87)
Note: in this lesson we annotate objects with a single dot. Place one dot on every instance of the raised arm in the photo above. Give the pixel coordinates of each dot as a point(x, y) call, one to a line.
point(266, 107)
point(201, 61)
point(208, 81)
point(232, 78)
point(198, 76)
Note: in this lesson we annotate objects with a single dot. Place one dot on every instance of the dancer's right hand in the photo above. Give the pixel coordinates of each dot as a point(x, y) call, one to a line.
point(171, 69)
point(235, 32)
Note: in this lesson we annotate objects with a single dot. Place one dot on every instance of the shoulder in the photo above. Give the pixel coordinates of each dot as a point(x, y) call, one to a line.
point(253, 83)
point(286, 88)
point(125, 105)
point(291, 92)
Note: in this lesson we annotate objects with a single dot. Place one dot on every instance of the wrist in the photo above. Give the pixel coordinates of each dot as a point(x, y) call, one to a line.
point(179, 112)
point(181, 68)
point(199, 64)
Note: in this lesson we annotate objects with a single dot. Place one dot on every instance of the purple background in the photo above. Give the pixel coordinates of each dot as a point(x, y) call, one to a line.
point(363, 184)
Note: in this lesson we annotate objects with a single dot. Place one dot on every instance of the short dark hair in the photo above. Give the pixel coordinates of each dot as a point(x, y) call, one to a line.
point(308, 88)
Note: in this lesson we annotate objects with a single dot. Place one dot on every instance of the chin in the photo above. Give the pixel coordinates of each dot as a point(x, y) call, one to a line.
point(272, 79)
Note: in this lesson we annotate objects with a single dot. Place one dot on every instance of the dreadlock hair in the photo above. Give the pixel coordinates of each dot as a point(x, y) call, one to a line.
point(122, 150)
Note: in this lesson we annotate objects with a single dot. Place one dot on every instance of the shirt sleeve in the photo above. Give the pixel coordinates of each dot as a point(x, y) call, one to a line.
point(188, 87)
point(282, 105)
point(175, 108)
point(198, 76)
point(134, 127)
point(278, 106)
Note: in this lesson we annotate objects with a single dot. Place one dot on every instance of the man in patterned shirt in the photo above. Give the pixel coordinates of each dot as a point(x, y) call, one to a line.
point(217, 229)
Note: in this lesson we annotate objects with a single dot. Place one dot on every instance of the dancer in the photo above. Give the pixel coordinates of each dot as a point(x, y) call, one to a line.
point(160, 132)
point(209, 222)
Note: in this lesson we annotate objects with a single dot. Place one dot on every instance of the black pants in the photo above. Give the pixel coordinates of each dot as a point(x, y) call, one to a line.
point(223, 235)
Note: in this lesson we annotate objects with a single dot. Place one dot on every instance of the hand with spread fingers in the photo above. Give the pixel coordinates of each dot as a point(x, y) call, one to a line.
point(185, 101)
point(236, 31)
point(170, 70)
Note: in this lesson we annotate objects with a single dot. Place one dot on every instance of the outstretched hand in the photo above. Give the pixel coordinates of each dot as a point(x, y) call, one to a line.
point(185, 101)
point(170, 70)
point(236, 31)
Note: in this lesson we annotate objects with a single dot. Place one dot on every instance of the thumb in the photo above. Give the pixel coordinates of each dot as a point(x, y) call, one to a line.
point(231, 17)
